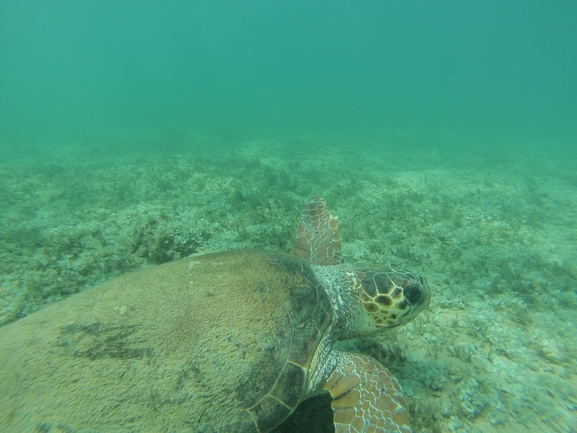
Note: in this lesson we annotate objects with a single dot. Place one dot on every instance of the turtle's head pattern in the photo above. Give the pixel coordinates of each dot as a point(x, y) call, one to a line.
point(390, 297)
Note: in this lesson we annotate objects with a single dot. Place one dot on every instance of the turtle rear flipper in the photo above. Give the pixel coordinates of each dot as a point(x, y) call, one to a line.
point(366, 397)
point(318, 238)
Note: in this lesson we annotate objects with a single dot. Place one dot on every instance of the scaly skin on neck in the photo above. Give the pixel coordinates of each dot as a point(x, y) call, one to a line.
point(350, 319)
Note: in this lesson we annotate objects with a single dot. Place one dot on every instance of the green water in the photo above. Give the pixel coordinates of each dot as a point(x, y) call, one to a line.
point(443, 136)
point(481, 69)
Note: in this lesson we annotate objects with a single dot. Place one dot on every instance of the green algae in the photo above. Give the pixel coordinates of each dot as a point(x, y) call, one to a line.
point(492, 229)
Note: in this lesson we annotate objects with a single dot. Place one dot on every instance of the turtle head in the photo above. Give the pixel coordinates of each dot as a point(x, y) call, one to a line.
point(389, 297)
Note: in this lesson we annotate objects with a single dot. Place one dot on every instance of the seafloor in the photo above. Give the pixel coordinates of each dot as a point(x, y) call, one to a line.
point(492, 227)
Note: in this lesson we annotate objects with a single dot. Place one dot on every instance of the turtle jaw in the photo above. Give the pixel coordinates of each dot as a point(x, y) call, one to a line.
point(419, 293)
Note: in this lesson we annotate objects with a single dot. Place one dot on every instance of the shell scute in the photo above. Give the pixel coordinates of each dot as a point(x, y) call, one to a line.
point(268, 413)
point(289, 385)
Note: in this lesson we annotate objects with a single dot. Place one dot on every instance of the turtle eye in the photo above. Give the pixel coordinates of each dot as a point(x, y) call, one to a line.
point(413, 293)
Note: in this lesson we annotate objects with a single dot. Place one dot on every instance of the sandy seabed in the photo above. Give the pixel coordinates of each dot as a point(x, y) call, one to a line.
point(492, 227)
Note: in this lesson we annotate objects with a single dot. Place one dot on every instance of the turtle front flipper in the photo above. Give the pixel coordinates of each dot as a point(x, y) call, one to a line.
point(366, 397)
point(318, 238)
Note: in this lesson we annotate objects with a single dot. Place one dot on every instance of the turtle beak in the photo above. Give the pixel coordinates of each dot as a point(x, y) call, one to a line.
point(418, 295)
point(421, 295)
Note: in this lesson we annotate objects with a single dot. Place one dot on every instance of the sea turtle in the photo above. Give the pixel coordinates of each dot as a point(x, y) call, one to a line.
point(223, 342)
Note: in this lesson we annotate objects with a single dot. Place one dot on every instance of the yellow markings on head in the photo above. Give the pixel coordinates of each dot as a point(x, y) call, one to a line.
point(382, 294)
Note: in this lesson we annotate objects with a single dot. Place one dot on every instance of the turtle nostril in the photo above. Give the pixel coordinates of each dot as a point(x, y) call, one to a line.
point(413, 293)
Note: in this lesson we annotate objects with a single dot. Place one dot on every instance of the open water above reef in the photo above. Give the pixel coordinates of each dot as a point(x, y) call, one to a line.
point(492, 227)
